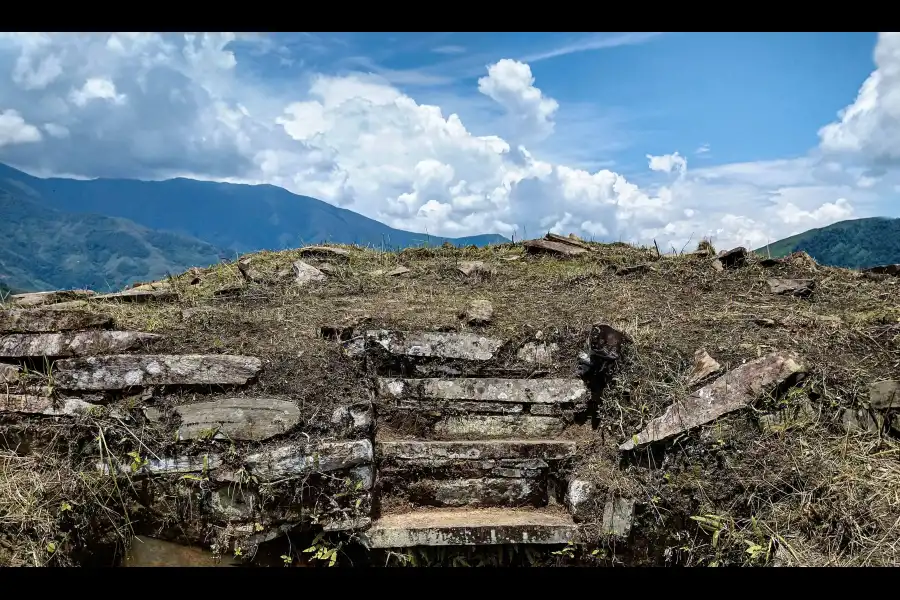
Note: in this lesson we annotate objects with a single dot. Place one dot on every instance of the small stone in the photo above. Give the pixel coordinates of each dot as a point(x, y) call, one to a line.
point(736, 257)
point(704, 366)
point(325, 252)
point(884, 395)
point(328, 269)
point(305, 273)
point(480, 312)
point(538, 353)
point(618, 516)
point(476, 268)
point(718, 266)
point(248, 271)
point(358, 418)
point(511, 257)
point(632, 269)
point(581, 499)
point(152, 286)
point(792, 287)
point(558, 249)
point(9, 373)
point(861, 420)
point(397, 271)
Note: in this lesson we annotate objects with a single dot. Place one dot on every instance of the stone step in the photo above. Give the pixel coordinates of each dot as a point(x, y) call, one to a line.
point(82, 343)
point(486, 427)
point(42, 298)
point(124, 371)
point(243, 419)
point(479, 492)
point(513, 391)
point(469, 527)
point(16, 320)
point(434, 344)
point(406, 450)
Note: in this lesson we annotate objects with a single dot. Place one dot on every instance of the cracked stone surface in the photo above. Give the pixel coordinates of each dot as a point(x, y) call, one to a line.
point(467, 346)
point(245, 419)
point(82, 343)
point(524, 391)
point(47, 320)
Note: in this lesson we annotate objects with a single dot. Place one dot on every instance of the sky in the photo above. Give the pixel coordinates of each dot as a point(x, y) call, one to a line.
point(741, 138)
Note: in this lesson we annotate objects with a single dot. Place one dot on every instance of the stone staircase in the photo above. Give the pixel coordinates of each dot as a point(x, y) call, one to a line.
point(468, 460)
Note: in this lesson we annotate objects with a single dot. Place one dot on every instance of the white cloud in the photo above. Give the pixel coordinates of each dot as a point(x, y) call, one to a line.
point(14, 129)
point(704, 149)
point(511, 84)
point(668, 163)
point(154, 106)
point(96, 88)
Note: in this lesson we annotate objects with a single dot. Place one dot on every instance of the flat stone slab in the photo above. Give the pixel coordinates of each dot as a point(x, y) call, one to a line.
point(40, 405)
point(124, 371)
point(459, 407)
point(140, 295)
point(521, 391)
point(305, 273)
point(884, 394)
point(552, 248)
point(467, 346)
point(245, 419)
point(792, 287)
point(476, 450)
point(734, 390)
point(46, 320)
point(294, 461)
point(325, 252)
point(561, 239)
point(471, 527)
point(498, 426)
point(476, 492)
point(41, 298)
point(82, 343)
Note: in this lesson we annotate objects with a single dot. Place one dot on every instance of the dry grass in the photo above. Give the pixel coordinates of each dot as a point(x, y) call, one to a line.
point(817, 492)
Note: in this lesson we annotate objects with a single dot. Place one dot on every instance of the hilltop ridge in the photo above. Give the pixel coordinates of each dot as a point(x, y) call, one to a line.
point(518, 394)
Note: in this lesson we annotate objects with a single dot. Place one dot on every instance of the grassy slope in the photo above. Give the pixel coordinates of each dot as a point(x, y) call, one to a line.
point(821, 495)
point(42, 248)
point(857, 243)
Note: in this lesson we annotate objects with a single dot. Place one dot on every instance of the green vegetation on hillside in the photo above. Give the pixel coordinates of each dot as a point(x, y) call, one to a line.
point(854, 244)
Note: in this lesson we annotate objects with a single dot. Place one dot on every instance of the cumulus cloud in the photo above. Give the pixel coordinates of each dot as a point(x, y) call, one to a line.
point(155, 106)
point(14, 129)
point(511, 84)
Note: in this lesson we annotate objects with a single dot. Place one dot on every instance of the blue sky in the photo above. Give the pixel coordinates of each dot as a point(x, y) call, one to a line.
point(742, 137)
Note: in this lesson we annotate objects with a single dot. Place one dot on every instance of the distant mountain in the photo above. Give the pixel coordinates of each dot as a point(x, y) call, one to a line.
point(105, 233)
point(854, 244)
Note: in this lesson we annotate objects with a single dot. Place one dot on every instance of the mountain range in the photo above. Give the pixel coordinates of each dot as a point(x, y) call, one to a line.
point(103, 234)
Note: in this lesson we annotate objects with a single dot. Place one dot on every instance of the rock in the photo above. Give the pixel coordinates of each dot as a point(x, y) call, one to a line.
point(328, 269)
point(631, 269)
point(604, 349)
point(730, 392)
point(376, 273)
point(358, 418)
point(294, 461)
point(511, 257)
point(475, 527)
point(242, 419)
point(305, 273)
point(861, 420)
point(762, 322)
point(44, 320)
point(789, 418)
point(538, 353)
point(570, 241)
point(486, 389)
point(479, 312)
point(457, 407)
point(140, 296)
point(427, 344)
point(494, 427)
point(893, 270)
point(9, 373)
point(397, 271)
point(558, 249)
point(474, 267)
point(618, 516)
point(36, 345)
point(792, 287)
point(155, 285)
point(249, 273)
point(704, 366)
point(718, 266)
point(325, 252)
point(736, 257)
point(884, 395)
point(476, 492)
point(124, 371)
point(39, 405)
point(151, 552)
point(581, 499)
point(475, 450)
point(41, 298)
